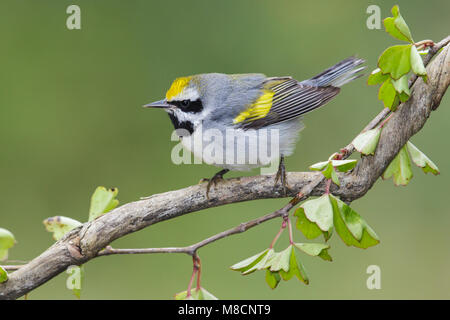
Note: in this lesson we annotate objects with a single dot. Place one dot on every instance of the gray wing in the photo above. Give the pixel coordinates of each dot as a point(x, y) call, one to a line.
point(291, 99)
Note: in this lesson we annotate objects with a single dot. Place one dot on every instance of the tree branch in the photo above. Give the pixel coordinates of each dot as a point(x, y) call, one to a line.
point(86, 242)
point(193, 248)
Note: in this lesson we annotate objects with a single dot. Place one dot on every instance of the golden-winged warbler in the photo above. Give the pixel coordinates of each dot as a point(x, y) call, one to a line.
point(243, 121)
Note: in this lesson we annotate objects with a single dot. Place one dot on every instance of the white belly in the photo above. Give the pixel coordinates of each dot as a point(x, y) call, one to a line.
point(236, 149)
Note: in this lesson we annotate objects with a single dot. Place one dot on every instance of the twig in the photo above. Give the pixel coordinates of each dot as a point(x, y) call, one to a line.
point(424, 44)
point(12, 267)
point(16, 261)
point(383, 123)
point(191, 250)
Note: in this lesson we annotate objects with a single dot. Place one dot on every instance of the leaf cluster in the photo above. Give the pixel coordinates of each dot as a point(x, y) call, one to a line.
point(284, 264)
point(327, 213)
point(396, 63)
point(328, 168)
point(102, 201)
point(400, 168)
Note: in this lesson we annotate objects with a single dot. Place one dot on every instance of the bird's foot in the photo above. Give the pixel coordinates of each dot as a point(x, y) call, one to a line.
point(214, 180)
point(281, 175)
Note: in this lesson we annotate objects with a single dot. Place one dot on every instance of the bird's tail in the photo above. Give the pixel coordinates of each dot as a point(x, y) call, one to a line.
point(340, 74)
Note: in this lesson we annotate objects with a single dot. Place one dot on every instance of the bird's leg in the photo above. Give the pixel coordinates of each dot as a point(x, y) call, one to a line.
point(281, 175)
point(216, 178)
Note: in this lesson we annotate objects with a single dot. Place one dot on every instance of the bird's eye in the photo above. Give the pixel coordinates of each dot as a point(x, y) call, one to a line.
point(185, 103)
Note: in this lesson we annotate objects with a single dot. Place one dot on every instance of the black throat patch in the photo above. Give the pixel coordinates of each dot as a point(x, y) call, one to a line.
point(187, 106)
point(181, 126)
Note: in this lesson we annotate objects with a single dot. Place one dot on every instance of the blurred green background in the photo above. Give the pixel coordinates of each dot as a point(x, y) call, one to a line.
point(71, 119)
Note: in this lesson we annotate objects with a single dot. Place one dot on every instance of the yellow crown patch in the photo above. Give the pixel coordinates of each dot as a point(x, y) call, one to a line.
point(177, 86)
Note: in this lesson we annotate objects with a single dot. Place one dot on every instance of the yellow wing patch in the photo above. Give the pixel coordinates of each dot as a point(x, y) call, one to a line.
point(258, 109)
point(177, 87)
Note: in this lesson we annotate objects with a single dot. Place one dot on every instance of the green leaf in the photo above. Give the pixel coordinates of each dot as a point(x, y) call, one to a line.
point(377, 77)
point(401, 85)
point(75, 280)
point(334, 177)
point(328, 171)
point(367, 142)
point(397, 27)
point(352, 229)
point(396, 102)
point(3, 275)
point(325, 255)
point(396, 61)
point(102, 201)
point(183, 294)
point(201, 294)
point(319, 166)
point(246, 264)
point(387, 94)
point(344, 165)
point(327, 234)
point(207, 295)
point(7, 240)
point(318, 211)
point(309, 229)
point(280, 260)
point(389, 26)
point(315, 250)
point(261, 264)
point(399, 168)
point(60, 225)
point(328, 168)
point(421, 160)
point(417, 63)
point(272, 278)
point(403, 97)
point(401, 24)
point(295, 268)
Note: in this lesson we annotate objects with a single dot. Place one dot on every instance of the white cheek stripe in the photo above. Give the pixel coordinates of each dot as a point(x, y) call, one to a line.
point(195, 118)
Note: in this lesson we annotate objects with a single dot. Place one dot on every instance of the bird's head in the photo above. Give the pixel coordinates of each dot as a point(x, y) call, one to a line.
point(193, 99)
point(211, 97)
point(183, 102)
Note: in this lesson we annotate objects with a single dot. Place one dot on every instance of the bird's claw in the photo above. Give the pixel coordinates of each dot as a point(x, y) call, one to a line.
point(214, 180)
point(281, 175)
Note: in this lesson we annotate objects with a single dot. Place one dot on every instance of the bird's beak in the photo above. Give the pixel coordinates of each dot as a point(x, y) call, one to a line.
point(159, 104)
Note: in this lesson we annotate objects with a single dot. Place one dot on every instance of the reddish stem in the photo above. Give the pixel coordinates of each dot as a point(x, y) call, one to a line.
point(199, 266)
point(190, 283)
point(195, 270)
point(327, 188)
point(297, 198)
point(283, 226)
point(424, 44)
point(386, 120)
point(291, 238)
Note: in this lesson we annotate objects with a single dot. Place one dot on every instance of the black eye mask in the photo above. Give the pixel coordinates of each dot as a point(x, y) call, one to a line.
point(188, 105)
